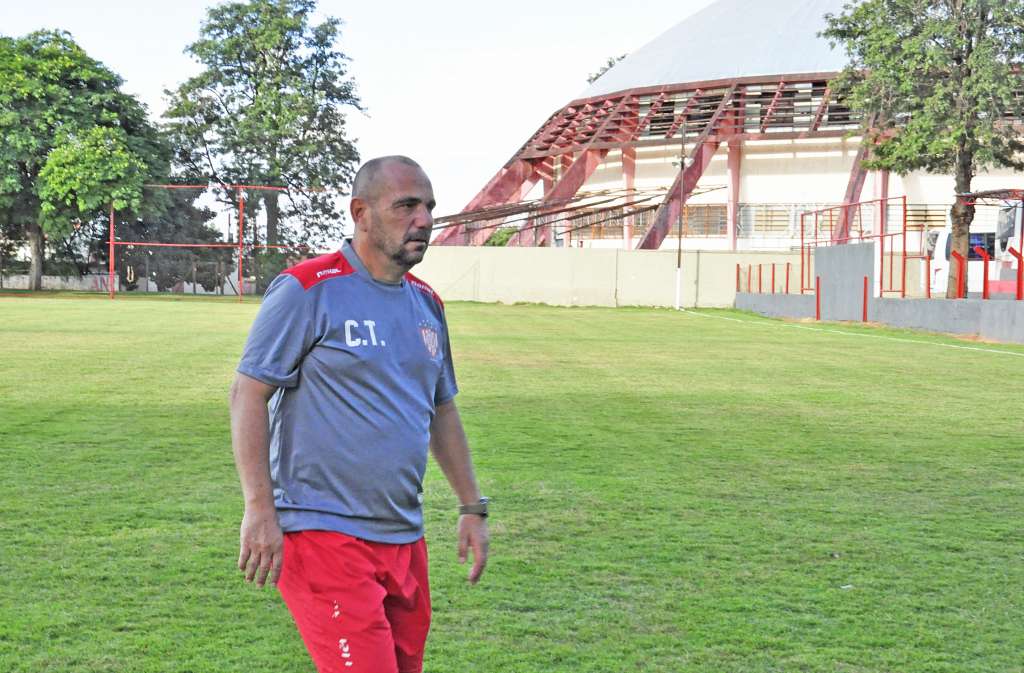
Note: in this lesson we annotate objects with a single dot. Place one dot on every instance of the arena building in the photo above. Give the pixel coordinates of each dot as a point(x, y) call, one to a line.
point(714, 136)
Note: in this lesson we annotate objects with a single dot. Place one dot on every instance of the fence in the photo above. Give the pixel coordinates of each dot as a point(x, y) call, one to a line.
point(881, 220)
point(220, 239)
point(764, 277)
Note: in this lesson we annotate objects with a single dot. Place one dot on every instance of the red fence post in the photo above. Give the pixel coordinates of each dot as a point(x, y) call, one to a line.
point(749, 266)
point(881, 266)
point(817, 234)
point(110, 261)
point(903, 285)
point(737, 276)
point(817, 297)
point(759, 287)
point(773, 277)
point(864, 313)
point(928, 277)
point(960, 264)
point(241, 251)
point(802, 253)
point(787, 277)
point(1020, 273)
point(985, 259)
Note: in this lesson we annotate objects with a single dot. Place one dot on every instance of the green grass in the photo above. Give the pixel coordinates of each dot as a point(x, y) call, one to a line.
point(672, 493)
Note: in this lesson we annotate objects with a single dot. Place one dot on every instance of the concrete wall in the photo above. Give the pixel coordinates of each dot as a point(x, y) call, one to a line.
point(596, 277)
point(997, 319)
point(1000, 322)
point(777, 306)
point(842, 269)
point(96, 282)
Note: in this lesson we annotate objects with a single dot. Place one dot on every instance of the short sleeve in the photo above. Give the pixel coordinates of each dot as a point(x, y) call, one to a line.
point(281, 335)
point(446, 387)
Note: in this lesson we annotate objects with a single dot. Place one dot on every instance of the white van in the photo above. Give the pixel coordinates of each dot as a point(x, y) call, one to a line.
point(995, 238)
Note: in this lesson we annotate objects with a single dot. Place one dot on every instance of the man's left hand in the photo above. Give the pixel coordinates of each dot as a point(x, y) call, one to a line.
point(473, 535)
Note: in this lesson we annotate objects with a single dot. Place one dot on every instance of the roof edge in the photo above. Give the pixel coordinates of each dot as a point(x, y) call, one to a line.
point(706, 84)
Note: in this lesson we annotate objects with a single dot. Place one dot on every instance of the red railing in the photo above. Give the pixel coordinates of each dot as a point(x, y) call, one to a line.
point(1020, 272)
point(985, 258)
point(774, 276)
point(869, 221)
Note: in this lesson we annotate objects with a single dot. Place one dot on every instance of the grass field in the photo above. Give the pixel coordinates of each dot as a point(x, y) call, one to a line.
point(672, 492)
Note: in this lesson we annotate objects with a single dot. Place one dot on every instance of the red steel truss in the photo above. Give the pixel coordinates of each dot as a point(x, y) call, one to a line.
point(697, 117)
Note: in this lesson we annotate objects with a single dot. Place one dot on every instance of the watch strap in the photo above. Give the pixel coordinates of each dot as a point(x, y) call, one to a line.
point(479, 508)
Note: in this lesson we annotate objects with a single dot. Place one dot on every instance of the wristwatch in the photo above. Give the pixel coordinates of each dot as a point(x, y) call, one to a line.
point(479, 508)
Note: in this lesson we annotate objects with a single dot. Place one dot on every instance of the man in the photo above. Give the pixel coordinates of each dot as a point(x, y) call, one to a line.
point(351, 353)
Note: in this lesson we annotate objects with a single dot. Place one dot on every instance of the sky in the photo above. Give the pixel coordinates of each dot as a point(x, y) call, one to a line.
point(458, 85)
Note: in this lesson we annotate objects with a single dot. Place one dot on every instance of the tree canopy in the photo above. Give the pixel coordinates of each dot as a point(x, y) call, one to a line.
point(73, 142)
point(269, 108)
point(941, 82)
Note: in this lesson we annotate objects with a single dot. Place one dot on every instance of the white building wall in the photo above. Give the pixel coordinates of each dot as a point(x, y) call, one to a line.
point(804, 171)
point(797, 171)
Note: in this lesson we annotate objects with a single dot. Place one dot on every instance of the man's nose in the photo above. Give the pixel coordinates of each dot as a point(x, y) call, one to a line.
point(424, 219)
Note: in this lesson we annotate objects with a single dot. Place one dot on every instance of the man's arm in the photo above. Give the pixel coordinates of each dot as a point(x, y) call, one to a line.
point(261, 545)
point(451, 451)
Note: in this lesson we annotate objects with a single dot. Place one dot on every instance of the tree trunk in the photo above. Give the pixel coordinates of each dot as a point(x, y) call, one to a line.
point(37, 252)
point(961, 216)
point(273, 217)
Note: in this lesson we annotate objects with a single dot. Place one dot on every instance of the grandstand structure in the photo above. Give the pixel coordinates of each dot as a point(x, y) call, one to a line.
point(716, 135)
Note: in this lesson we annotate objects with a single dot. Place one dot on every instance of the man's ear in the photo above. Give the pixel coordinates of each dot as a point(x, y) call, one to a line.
point(357, 209)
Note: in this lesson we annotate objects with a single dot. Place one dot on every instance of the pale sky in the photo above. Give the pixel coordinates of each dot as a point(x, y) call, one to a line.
point(457, 85)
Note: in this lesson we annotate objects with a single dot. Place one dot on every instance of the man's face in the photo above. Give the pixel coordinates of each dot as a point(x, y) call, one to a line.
point(400, 216)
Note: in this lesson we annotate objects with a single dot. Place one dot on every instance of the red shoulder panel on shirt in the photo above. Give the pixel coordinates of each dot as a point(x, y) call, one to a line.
point(424, 288)
point(319, 269)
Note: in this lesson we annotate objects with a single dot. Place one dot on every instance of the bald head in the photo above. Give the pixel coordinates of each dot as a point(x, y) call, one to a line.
point(392, 205)
point(367, 182)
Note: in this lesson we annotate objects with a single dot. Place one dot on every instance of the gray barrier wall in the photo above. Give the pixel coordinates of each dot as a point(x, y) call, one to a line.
point(777, 305)
point(842, 270)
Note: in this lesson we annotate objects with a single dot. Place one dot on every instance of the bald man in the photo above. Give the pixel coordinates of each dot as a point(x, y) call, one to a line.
point(345, 382)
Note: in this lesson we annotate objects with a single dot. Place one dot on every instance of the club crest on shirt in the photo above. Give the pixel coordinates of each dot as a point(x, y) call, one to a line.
point(430, 338)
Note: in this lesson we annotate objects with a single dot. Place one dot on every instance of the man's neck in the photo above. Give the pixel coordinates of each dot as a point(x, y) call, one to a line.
point(380, 268)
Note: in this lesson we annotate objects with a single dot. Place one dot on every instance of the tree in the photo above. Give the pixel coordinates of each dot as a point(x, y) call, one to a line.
point(941, 79)
point(501, 236)
point(612, 60)
point(73, 142)
point(269, 108)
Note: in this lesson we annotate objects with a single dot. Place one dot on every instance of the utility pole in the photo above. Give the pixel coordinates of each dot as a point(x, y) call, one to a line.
point(679, 224)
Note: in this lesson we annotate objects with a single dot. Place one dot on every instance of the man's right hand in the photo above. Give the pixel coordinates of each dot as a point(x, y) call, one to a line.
point(262, 546)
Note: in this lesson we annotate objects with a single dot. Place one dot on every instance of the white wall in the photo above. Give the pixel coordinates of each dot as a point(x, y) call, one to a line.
point(96, 282)
point(593, 277)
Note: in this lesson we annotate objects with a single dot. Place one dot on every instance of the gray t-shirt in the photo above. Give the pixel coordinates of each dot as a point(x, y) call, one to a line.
point(361, 366)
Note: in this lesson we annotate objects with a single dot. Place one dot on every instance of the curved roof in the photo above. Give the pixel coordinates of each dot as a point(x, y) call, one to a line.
point(731, 39)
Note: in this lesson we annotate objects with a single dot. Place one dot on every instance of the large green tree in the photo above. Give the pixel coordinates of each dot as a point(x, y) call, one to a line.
point(71, 142)
point(942, 81)
point(269, 108)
